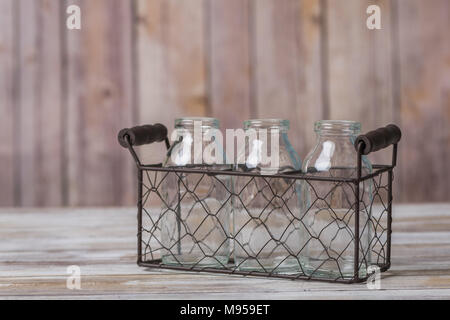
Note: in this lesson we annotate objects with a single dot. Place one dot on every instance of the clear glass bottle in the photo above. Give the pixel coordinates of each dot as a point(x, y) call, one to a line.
point(195, 223)
point(266, 210)
point(328, 208)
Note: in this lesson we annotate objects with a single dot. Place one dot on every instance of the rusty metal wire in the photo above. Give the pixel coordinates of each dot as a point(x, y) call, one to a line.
point(367, 216)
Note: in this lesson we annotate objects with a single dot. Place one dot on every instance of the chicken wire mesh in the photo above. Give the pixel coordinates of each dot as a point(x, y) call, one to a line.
point(358, 233)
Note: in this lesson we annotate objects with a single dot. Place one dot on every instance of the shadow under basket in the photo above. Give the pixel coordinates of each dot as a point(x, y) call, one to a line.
point(364, 227)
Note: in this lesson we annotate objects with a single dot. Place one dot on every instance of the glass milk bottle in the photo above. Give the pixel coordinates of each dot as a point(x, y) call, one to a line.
point(328, 207)
point(266, 225)
point(196, 213)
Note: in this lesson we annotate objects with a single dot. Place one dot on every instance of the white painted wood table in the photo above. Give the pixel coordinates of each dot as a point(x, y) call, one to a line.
point(37, 246)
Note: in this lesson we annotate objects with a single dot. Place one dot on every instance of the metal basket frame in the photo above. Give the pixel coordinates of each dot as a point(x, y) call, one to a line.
point(144, 170)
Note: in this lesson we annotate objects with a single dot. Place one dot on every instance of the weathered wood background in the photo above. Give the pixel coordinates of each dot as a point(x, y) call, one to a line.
point(64, 94)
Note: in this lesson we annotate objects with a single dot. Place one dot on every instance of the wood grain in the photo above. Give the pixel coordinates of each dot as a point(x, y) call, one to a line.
point(424, 55)
point(48, 135)
point(286, 35)
point(65, 93)
point(39, 244)
point(228, 49)
point(39, 106)
point(186, 61)
point(310, 46)
point(100, 100)
point(360, 67)
point(27, 111)
point(8, 88)
point(151, 73)
point(171, 64)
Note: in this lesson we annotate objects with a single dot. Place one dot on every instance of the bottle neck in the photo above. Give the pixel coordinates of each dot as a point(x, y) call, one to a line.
point(269, 125)
point(337, 129)
point(332, 136)
point(192, 124)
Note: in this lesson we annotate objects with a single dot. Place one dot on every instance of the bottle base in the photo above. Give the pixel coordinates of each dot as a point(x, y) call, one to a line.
point(272, 265)
point(194, 261)
point(329, 269)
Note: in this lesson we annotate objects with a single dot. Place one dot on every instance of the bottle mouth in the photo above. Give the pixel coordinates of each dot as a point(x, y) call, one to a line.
point(337, 127)
point(267, 124)
point(189, 122)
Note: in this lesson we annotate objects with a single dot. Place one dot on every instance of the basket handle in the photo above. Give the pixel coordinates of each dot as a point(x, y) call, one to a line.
point(140, 135)
point(378, 139)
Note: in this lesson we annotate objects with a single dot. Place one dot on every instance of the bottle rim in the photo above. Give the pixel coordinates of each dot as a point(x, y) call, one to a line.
point(190, 121)
point(337, 126)
point(267, 124)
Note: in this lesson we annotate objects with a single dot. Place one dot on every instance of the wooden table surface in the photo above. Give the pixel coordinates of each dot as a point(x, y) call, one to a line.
point(37, 246)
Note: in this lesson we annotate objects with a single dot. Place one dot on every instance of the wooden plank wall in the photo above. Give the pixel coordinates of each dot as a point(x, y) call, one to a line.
point(64, 94)
point(424, 67)
point(8, 96)
point(99, 102)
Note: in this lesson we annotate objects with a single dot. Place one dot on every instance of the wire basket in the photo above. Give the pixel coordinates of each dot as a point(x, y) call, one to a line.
point(377, 212)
